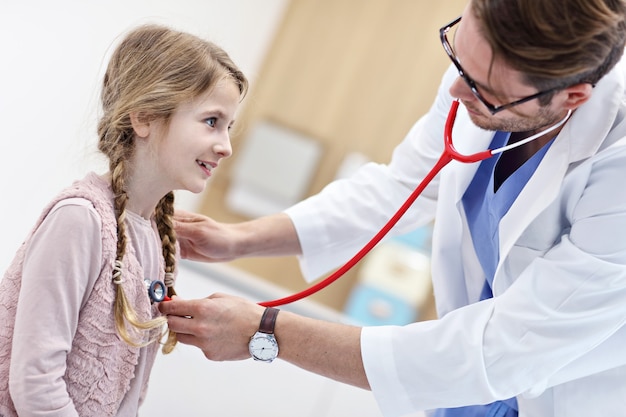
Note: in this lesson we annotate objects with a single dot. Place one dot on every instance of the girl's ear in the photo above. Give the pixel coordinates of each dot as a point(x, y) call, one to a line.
point(140, 123)
point(577, 95)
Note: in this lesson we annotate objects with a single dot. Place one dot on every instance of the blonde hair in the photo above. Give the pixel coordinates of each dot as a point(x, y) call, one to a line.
point(153, 71)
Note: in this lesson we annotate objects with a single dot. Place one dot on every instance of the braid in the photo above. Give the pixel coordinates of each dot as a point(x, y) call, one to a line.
point(164, 214)
point(119, 204)
point(124, 311)
point(164, 218)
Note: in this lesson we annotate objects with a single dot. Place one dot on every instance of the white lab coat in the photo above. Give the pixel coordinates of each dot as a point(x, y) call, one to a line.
point(554, 334)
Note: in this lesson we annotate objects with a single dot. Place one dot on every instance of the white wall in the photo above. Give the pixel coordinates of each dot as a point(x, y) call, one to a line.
point(53, 54)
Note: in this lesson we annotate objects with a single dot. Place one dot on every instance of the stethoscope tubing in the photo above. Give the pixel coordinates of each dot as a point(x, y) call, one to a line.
point(449, 154)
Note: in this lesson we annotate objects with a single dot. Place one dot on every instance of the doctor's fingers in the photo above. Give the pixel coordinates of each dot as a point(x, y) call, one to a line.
point(186, 308)
point(187, 326)
point(187, 222)
point(201, 238)
point(215, 346)
point(203, 318)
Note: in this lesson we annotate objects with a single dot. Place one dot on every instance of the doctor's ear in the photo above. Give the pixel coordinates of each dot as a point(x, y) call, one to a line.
point(577, 95)
point(141, 124)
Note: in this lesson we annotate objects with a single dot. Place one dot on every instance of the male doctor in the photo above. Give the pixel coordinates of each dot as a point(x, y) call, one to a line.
point(529, 247)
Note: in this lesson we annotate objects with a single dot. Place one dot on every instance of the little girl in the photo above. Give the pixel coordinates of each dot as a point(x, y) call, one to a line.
point(79, 323)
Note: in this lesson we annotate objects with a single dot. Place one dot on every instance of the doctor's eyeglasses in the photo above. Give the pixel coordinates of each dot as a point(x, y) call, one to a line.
point(447, 46)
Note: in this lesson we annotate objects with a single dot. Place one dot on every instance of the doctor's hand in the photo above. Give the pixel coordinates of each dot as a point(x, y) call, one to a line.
point(202, 238)
point(220, 325)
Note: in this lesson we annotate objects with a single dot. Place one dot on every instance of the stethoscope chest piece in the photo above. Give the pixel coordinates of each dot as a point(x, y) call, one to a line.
point(156, 290)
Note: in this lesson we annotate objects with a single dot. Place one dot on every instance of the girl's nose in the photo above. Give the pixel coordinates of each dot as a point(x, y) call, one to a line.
point(223, 148)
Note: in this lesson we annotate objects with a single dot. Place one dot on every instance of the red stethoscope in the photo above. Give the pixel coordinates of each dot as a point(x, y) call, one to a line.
point(449, 154)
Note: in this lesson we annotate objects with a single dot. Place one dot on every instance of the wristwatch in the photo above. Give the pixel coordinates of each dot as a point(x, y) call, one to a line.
point(263, 345)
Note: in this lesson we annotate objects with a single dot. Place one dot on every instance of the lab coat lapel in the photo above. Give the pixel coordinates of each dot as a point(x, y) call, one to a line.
point(579, 139)
point(541, 190)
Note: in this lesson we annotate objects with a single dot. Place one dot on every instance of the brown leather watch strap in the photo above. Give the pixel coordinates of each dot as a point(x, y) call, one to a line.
point(268, 321)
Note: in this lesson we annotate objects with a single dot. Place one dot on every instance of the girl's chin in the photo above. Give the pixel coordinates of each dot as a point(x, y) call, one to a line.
point(196, 188)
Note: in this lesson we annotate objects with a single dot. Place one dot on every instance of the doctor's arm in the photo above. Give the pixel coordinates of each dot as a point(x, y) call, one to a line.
point(204, 239)
point(221, 326)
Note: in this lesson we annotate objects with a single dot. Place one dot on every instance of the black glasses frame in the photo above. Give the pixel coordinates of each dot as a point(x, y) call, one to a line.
point(447, 46)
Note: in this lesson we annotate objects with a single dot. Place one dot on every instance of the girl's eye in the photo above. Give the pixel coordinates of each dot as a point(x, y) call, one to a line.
point(211, 121)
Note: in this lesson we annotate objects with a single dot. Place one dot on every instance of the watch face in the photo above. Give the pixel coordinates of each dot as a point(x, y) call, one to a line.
point(263, 347)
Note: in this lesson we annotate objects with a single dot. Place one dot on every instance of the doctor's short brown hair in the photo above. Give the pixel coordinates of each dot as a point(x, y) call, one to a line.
point(555, 43)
